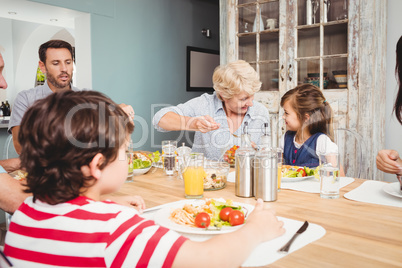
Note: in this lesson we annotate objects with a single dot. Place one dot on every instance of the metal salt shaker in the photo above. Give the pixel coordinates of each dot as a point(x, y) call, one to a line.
point(244, 166)
point(266, 175)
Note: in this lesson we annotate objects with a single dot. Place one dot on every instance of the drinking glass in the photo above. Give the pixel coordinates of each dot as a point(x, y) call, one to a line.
point(193, 176)
point(169, 156)
point(329, 175)
point(130, 159)
point(316, 5)
point(279, 152)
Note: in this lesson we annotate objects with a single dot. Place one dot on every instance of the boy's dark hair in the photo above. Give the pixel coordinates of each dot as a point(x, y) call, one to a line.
point(62, 133)
point(53, 44)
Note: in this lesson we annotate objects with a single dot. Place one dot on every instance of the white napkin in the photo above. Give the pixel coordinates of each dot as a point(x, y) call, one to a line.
point(266, 253)
point(312, 185)
point(372, 192)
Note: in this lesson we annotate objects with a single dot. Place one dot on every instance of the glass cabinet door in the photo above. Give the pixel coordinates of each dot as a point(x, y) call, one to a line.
point(322, 43)
point(258, 39)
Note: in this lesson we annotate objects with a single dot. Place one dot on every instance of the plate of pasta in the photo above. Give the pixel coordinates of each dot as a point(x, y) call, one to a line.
point(180, 216)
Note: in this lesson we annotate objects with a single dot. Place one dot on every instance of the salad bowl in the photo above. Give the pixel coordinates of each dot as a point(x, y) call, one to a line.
point(141, 171)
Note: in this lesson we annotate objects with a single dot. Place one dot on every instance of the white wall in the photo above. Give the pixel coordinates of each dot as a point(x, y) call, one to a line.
point(6, 49)
point(393, 132)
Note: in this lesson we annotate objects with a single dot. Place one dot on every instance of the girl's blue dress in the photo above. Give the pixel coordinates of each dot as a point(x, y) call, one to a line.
point(304, 156)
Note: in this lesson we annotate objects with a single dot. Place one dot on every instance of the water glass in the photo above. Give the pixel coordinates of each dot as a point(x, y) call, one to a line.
point(169, 156)
point(329, 175)
point(193, 176)
point(279, 153)
point(130, 159)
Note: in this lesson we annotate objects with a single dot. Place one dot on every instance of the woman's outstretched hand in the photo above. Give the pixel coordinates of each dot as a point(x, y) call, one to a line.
point(204, 124)
point(389, 161)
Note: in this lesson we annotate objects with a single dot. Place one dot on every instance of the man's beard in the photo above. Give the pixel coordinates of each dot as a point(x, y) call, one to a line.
point(52, 80)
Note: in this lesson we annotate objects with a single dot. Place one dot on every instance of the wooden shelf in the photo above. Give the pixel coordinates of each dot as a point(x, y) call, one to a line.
point(316, 25)
point(252, 3)
point(335, 56)
point(246, 34)
point(308, 58)
point(268, 61)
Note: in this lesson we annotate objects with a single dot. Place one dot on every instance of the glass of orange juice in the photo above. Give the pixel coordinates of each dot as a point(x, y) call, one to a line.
point(193, 176)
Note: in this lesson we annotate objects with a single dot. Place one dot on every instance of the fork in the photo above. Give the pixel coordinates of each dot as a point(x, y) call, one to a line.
point(215, 228)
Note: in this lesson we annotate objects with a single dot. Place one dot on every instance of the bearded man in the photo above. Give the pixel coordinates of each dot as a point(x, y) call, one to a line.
point(56, 62)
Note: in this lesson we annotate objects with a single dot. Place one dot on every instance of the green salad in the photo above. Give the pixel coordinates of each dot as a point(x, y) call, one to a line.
point(296, 171)
point(216, 207)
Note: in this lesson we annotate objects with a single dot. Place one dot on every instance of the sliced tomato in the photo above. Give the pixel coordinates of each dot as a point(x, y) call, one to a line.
point(302, 172)
point(224, 214)
point(236, 217)
point(202, 220)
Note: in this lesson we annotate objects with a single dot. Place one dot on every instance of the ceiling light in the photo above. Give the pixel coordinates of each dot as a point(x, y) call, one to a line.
point(12, 13)
point(53, 19)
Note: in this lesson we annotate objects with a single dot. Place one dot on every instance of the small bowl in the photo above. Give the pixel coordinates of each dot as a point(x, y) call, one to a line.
point(141, 171)
point(216, 175)
point(315, 74)
point(316, 81)
point(342, 80)
point(339, 72)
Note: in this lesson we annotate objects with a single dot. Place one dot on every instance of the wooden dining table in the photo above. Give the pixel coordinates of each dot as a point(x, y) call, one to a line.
point(357, 234)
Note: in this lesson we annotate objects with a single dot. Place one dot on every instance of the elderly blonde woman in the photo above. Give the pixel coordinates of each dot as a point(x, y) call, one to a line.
point(215, 117)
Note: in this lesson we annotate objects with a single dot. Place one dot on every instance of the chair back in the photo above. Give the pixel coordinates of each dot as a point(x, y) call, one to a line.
point(352, 149)
point(9, 150)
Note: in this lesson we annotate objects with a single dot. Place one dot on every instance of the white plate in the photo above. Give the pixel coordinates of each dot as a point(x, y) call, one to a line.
point(162, 218)
point(295, 179)
point(141, 171)
point(393, 189)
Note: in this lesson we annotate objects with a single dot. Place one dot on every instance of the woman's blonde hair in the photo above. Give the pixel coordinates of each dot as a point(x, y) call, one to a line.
point(308, 99)
point(234, 78)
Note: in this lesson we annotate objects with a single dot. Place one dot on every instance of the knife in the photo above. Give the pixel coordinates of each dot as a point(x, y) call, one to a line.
point(286, 247)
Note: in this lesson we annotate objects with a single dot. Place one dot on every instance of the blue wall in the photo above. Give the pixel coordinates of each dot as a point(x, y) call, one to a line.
point(139, 52)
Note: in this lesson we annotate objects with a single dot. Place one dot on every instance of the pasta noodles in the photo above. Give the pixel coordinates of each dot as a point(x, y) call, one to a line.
point(186, 215)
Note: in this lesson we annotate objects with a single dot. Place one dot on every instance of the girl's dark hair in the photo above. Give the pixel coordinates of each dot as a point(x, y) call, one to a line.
point(308, 99)
point(62, 133)
point(398, 72)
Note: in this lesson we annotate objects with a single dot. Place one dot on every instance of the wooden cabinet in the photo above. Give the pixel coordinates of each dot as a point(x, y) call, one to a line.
point(342, 43)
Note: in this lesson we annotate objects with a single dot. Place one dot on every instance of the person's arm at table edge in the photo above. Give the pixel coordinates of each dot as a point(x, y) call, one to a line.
point(12, 194)
point(172, 121)
point(11, 164)
point(232, 249)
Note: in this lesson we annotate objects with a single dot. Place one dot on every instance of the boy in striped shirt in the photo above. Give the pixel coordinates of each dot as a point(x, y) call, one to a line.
point(74, 150)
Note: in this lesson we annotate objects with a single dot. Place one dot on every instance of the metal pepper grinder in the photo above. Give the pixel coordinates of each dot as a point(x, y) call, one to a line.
point(244, 159)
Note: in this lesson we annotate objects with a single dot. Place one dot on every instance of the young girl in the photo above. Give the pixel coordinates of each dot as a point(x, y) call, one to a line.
point(73, 148)
point(308, 117)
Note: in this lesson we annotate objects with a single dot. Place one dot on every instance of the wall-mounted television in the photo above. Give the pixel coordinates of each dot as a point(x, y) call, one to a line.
point(201, 64)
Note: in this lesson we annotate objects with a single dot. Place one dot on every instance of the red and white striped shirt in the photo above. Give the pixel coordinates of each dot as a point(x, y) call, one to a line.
point(86, 233)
